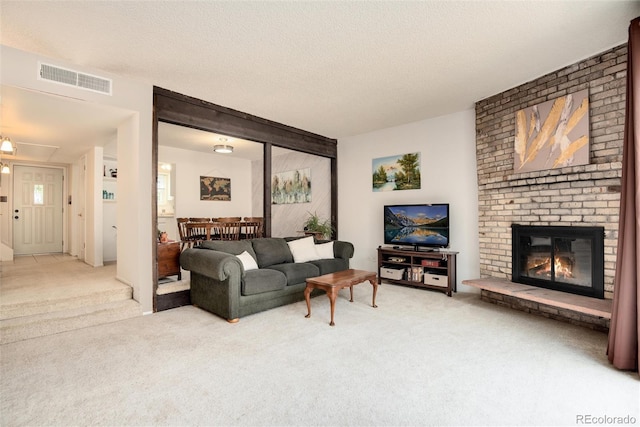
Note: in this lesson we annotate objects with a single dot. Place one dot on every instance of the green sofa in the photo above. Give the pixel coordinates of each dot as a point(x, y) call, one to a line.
point(221, 284)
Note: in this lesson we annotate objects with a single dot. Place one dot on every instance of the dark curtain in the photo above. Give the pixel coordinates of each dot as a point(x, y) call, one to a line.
point(625, 323)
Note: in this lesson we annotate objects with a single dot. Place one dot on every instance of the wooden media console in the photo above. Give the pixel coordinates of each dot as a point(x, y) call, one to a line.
point(435, 270)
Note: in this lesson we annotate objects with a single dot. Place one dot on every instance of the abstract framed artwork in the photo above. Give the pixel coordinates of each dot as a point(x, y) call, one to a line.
point(291, 187)
point(553, 134)
point(400, 172)
point(215, 188)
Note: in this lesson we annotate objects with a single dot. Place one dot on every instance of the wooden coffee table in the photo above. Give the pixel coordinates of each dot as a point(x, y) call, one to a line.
point(331, 283)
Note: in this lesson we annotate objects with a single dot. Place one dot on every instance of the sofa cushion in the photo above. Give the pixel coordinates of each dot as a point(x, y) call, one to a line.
point(263, 280)
point(248, 262)
point(233, 247)
point(296, 272)
point(271, 250)
point(303, 250)
point(325, 250)
point(332, 265)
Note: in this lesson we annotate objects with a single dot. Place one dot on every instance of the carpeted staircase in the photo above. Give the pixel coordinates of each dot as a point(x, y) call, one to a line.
point(27, 320)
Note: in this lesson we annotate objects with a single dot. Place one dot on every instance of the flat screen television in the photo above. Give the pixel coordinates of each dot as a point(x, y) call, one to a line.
point(419, 226)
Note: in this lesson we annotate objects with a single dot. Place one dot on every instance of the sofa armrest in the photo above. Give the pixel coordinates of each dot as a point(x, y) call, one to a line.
point(342, 249)
point(219, 266)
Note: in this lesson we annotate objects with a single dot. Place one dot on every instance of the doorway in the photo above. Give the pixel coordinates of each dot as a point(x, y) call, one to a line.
point(37, 210)
point(182, 110)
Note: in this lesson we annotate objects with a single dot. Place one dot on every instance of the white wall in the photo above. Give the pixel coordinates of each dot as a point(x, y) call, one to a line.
point(190, 165)
point(20, 69)
point(448, 168)
point(6, 247)
point(94, 212)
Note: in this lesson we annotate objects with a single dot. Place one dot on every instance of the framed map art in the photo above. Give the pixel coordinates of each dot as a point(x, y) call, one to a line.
point(215, 188)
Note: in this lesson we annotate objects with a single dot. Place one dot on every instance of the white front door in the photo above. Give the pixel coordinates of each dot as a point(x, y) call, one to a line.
point(37, 210)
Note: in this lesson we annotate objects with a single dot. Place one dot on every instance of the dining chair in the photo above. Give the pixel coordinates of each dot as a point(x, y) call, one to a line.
point(197, 229)
point(260, 221)
point(251, 229)
point(229, 219)
point(228, 230)
point(186, 240)
point(215, 230)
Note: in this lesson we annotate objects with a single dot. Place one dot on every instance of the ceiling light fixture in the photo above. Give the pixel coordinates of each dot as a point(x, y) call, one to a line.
point(224, 149)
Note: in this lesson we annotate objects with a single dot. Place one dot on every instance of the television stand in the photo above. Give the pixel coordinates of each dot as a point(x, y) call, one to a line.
point(414, 249)
point(434, 270)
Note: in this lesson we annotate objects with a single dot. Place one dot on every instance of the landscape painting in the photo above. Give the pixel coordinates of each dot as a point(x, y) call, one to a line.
point(291, 187)
point(400, 172)
point(553, 134)
point(214, 188)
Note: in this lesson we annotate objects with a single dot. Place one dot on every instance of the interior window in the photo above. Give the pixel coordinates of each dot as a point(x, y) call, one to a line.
point(163, 184)
point(165, 198)
point(38, 194)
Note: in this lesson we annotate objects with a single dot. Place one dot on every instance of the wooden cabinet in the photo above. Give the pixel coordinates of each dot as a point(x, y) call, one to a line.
point(169, 259)
point(426, 269)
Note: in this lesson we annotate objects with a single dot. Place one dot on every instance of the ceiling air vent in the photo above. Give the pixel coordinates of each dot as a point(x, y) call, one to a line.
point(75, 78)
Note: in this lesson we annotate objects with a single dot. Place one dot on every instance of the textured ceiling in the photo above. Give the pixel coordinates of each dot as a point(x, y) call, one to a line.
point(334, 68)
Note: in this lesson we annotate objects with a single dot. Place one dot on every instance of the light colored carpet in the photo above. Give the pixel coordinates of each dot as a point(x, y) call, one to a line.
point(420, 358)
point(172, 284)
point(51, 293)
point(45, 283)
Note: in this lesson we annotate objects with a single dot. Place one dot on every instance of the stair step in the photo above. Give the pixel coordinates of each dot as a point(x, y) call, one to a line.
point(38, 325)
point(92, 297)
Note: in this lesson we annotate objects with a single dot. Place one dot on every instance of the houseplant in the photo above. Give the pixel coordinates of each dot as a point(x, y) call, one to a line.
point(317, 227)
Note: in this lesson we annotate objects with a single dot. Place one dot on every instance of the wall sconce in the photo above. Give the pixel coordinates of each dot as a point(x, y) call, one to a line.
point(4, 168)
point(7, 146)
point(224, 149)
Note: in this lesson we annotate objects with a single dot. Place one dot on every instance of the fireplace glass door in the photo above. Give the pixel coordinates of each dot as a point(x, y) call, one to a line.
point(569, 259)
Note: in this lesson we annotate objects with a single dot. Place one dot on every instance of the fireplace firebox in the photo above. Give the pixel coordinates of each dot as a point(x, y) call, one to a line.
point(569, 259)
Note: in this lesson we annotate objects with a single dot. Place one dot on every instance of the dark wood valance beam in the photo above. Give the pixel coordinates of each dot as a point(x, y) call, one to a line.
point(183, 110)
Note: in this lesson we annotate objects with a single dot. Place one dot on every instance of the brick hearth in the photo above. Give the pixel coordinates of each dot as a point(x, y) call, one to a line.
point(580, 310)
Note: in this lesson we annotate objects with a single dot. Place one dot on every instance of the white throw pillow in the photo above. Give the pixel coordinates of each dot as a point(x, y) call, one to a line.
point(303, 250)
point(325, 250)
point(247, 261)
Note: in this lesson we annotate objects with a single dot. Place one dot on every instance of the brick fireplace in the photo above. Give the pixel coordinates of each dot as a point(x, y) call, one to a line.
point(567, 259)
point(587, 195)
